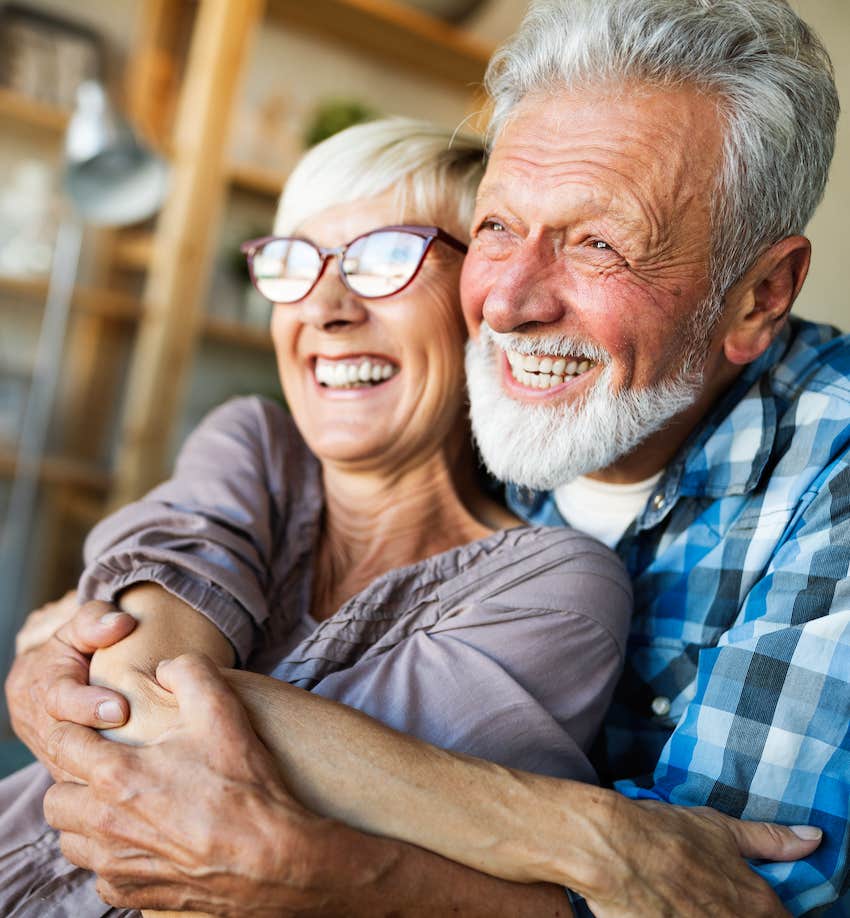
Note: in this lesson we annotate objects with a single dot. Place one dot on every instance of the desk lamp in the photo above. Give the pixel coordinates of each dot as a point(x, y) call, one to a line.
point(110, 179)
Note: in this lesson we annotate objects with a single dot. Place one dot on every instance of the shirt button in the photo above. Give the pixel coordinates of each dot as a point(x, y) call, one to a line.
point(658, 501)
point(660, 706)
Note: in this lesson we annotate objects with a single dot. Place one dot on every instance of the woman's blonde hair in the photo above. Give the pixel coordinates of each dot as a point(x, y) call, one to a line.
point(433, 172)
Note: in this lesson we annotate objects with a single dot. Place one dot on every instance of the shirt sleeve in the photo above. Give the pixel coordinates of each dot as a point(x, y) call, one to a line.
point(521, 677)
point(766, 735)
point(205, 535)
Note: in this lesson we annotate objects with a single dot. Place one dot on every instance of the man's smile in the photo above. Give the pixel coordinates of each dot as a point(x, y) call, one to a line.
point(546, 372)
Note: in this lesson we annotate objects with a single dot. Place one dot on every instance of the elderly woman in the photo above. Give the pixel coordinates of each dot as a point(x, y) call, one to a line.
point(352, 549)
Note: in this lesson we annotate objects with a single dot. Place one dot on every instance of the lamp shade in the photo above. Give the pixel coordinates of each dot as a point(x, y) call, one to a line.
point(111, 177)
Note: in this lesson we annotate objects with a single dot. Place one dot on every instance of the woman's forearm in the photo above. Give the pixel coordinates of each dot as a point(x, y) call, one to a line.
point(166, 628)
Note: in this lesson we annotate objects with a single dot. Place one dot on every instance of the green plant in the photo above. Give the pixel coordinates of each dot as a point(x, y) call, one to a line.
point(335, 115)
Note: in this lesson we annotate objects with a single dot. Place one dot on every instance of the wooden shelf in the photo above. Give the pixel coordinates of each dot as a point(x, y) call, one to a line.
point(394, 32)
point(229, 332)
point(38, 114)
point(85, 509)
point(258, 179)
point(59, 470)
point(132, 250)
point(105, 303)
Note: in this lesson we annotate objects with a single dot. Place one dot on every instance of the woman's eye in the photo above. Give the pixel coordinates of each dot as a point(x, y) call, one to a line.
point(601, 245)
point(492, 225)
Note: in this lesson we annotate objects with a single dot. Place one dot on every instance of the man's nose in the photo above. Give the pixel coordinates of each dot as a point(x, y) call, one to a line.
point(526, 292)
point(330, 304)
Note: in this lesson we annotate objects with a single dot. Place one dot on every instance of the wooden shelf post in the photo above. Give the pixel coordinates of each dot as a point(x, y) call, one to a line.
point(183, 243)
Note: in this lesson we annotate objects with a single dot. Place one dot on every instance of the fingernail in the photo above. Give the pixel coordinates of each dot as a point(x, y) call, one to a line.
point(163, 663)
point(110, 617)
point(110, 712)
point(807, 833)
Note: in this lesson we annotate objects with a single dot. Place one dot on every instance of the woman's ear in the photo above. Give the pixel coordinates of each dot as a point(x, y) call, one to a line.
point(760, 302)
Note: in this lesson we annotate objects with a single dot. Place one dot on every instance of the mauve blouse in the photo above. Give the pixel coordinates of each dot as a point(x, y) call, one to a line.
point(506, 648)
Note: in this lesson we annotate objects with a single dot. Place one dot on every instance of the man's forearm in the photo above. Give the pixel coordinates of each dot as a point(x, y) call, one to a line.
point(343, 764)
point(383, 877)
point(338, 761)
point(626, 858)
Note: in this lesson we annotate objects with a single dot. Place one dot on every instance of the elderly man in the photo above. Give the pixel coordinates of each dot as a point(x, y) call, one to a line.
point(633, 370)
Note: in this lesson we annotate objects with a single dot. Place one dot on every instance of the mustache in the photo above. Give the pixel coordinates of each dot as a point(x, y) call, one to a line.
point(544, 345)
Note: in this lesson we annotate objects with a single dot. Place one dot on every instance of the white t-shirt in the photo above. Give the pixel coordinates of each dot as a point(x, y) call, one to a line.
point(601, 509)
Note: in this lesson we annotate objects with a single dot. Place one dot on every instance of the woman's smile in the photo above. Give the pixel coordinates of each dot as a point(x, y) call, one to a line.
point(353, 372)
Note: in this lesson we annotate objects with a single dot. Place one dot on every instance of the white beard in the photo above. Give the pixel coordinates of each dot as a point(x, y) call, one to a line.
point(543, 446)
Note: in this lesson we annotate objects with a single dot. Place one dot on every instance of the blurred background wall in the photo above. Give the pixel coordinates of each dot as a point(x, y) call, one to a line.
point(164, 323)
point(825, 295)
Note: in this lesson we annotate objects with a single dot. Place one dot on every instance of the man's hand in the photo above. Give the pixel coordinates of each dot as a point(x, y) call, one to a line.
point(50, 682)
point(671, 860)
point(199, 819)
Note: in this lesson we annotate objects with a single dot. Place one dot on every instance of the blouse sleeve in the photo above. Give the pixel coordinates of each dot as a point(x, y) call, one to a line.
point(206, 535)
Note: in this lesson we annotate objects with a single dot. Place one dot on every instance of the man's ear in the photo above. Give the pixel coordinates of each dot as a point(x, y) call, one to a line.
point(759, 303)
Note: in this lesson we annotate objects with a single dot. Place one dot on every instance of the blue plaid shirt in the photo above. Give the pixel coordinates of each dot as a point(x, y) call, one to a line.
point(736, 692)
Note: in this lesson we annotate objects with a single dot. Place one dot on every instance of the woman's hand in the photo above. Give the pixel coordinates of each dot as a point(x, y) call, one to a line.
point(153, 710)
point(41, 624)
point(50, 683)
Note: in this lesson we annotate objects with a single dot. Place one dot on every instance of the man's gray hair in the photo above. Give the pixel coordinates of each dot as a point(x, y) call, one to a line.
point(771, 75)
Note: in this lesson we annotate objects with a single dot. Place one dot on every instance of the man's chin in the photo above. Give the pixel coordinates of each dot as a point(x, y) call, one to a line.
point(521, 461)
point(525, 444)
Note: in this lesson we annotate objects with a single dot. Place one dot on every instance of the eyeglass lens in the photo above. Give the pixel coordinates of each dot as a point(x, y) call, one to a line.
point(286, 269)
point(375, 265)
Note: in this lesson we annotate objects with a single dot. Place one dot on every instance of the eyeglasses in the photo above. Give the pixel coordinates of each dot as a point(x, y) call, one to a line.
point(376, 264)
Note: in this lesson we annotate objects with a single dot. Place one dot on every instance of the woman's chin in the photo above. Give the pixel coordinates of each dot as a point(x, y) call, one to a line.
point(349, 447)
point(350, 454)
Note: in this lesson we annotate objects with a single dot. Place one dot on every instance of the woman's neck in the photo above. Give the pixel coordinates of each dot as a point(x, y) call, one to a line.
point(377, 521)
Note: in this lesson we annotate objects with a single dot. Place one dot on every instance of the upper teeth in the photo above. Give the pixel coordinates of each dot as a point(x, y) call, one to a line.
point(353, 371)
point(545, 372)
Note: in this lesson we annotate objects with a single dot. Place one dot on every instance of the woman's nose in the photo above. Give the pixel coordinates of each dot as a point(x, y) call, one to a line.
point(330, 304)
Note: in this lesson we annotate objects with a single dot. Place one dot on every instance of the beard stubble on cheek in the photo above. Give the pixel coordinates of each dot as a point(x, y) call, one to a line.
point(546, 445)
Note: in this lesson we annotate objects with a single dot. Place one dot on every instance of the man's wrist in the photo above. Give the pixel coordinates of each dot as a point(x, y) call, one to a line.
point(371, 868)
point(321, 868)
point(582, 855)
point(358, 875)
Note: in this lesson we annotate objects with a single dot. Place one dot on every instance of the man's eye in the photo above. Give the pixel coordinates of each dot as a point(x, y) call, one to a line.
point(602, 245)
